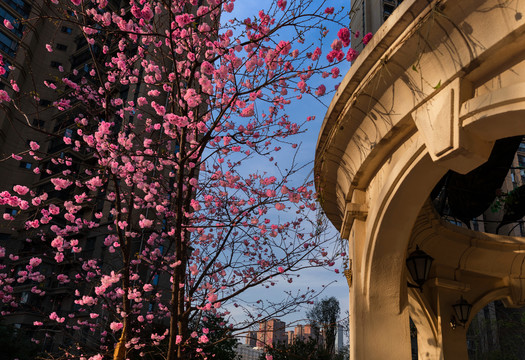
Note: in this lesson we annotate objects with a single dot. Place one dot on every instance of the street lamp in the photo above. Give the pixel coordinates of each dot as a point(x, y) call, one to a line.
point(418, 265)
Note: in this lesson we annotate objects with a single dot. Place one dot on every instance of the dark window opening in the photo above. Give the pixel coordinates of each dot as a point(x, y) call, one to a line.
point(20, 6)
point(8, 45)
point(25, 165)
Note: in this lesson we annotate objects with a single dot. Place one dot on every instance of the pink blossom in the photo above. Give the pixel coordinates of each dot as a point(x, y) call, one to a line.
point(4, 97)
point(49, 48)
point(8, 24)
point(34, 146)
point(366, 38)
point(329, 11)
point(320, 90)
point(20, 189)
point(248, 111)
point(184, 19)
point(203, 339)
point(61, 183)
point(195, 205)
point(59, 257)
point(116, 326)
point(351, 55)
point(280, 206)
point(344, 35)
point(34, 262)
point(284, 47)
point(54, 316)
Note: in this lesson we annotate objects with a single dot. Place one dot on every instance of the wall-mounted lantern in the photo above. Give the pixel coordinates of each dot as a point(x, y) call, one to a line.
point(462, 309)
point(418, 265)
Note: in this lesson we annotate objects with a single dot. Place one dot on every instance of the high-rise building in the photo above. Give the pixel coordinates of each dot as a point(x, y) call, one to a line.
point(368, 15)
point(251, 338)
point(339, 338)
point(38, 69)
point(271, 332)
point(306, 332)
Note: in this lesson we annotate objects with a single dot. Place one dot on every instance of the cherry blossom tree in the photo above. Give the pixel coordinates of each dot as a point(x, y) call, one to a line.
point(179, 177)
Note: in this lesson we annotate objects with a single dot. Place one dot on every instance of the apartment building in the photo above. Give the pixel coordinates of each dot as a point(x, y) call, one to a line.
point(271, 332)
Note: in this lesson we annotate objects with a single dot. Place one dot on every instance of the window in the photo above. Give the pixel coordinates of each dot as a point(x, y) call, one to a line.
point(8, 45)
point(20, 6)
point(17, 26)
point(55, 64)
point(66, 30)
point(10, 211)
point(25, 165)
point(61, 47)
point(38, 123)
point(44, 102)
point(388, 7)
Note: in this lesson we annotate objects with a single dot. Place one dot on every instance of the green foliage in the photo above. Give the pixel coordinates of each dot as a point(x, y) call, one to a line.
point(499, 338)
point(324, 315)
point(221, 343)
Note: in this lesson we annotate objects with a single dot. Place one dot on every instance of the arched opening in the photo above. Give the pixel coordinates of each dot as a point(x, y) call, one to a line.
point(490, 198)
point(413, 339)
point(497, 333)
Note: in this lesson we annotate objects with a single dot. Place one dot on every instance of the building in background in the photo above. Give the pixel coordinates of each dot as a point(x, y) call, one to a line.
point(31, 65)
point(251, 339)
point(246, 352)
point(306, 332)
point(367, 16)
point(271, 332)
point(339, 338)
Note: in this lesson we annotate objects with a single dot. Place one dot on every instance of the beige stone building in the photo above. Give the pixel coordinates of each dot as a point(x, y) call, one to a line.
point(413, 154)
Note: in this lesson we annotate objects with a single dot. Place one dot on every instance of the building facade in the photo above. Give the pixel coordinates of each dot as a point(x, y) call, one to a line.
point(413, 153)
point(39, 71)
point(271, 332)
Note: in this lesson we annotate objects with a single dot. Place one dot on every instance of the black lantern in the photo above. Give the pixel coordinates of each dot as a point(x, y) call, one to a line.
point(418, 264)
point(462, 309)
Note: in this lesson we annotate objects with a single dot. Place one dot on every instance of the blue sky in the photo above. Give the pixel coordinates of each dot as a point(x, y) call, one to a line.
point(298, 112)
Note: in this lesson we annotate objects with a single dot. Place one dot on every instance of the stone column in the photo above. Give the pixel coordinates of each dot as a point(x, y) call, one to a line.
point(378, 329)
point(454, 341)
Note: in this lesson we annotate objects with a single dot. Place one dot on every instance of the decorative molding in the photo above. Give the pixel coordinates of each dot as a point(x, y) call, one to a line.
point(449, 284)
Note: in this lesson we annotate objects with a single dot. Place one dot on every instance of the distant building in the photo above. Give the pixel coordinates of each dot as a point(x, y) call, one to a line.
point(251, 339)
point(367, 16)
point(290, 337)
point(247, 352)
point(305, 332)
point(339, 338)
point(271, 332)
